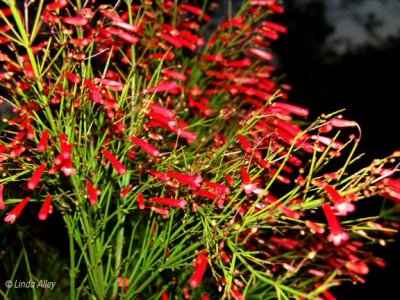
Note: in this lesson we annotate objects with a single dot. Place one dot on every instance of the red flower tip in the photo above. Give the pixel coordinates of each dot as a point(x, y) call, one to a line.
point(76, 21)
point(201, 266)
point(66, 147)
point(73, 78)
point(246, 146)
point(341, 123)
point(315, 227)
point(163, 87)
point(37, 175)
point(261, 54)
point(357, 267)
point(123, 283)
point(119, 167)
point(179, 203)
point(146, 146)
point(93, 193)
point(67, 168)
point(46, 208)
point(165, 296)
point(125, 191)
point(186, 293)
point(161, 211)
point(193, 181)
point(141, 202)
point(42, 145)
point(236, 293)
point(56, 5)
point(16, 211)
point(111, 84)
point(337, 235)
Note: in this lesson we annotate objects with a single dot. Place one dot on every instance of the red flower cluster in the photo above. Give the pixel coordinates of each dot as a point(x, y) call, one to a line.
point(192, 125)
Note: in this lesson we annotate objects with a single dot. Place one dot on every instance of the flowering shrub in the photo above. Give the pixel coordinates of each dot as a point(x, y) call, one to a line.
point(174, 158)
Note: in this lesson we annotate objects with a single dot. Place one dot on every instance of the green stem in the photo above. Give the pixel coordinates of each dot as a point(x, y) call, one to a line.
point(118, 254)
point(95, 267)
point(72, 271)
point(27, 45)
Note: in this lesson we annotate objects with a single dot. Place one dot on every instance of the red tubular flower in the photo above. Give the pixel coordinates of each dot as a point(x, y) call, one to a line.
point(186, 293)
point(58, 160)
point(290, 108)
point(161, 211)
point(16, 211)
point(225, 257)
point(66, 147)
point(37, 175)
point(179, 203)
point(289, 244)
point(123, 283)
point(223, 189)
point(176, 42)
point(76, 21)
point(229, 179)
point(93, 193)
point(201, 266)
point(357, 267)
point(17, 152)
point(145, 146)
point(163, 119)
point(130, 38)
point(68, 168)
point(30, 74)
point(111, 84)
point(341, 205)
point(2, 203)
point(46, 208)
point(49, 18)
point(30, 133)
point(193, 9)
point(73, 78)
point(122, 24)
point(140, 199)
point(315, 227)
point(163, 87)
point(196, 40)
point(119, 167)
point(165, 56)
point(206, 194)
point(236, 293)
point(56, 5)
point(165, 296)
point(174, 74)
point(337, 236)
point(244, 143)
point(193, 181)
point(162, 110)
point(80, 42)
point(245, 177)
point(261, 53)
point(341, 123)
point(275, 26)
point(328, 141)
point(248, 186)
point(290, 213)
point(125, 191)
point(328, 295)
